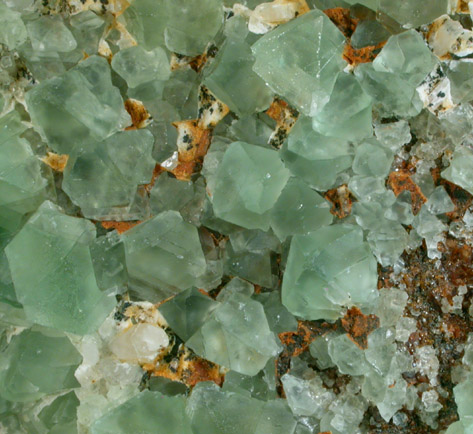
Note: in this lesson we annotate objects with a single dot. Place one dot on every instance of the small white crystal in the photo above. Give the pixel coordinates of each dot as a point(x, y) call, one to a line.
point(139, 342)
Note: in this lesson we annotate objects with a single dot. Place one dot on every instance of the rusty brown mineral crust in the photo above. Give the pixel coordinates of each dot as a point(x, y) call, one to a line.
point(400, 181)
point(341, 199)
point(359, 326)
point(285, 117)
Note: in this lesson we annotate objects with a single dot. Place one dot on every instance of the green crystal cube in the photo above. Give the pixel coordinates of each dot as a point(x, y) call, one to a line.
point(53, 274)
point(459, 170)
point(327, 269)
point(78, 107)
point(253, 177)
point(300, 60)
point(12, 29)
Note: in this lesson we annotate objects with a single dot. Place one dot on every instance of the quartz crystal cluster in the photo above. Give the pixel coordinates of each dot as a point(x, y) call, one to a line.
point(222, 216)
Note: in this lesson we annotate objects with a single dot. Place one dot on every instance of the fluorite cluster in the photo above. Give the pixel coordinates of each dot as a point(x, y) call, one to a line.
point(222, 216)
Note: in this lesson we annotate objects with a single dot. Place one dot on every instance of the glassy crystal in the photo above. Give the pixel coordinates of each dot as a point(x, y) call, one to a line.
point(49, 254)
point(410, 13)
point(13, 31)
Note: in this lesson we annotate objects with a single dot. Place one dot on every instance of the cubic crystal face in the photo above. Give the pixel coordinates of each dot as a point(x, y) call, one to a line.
point(78, 107)
point(164, 253)
point(327, 269)
point(300, 60)
point(49, 254)
point(254, 178)
point(103, 179)
point(459, 171)
point(37, 363)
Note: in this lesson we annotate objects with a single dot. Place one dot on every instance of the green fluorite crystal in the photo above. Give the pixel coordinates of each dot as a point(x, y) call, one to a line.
point(254, 178)
point(213, 411)
point(300, 60)
point(459, 170)
point(299, 210)
point(12, 30)
point(77, 108)
point(327, 269)
point(317, 165)
point(37, 363)
point(51, 253)
point(146, 413)
point(138, 66)
point(49, 34)
point(411, 13)
point(248, 92)
point(164, 253)
point(176, 23)
point(61, 415)
point(103, 178)
point(22, 185)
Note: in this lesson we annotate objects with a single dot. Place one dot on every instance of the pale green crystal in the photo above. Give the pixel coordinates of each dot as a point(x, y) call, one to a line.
point(48, 33)
point(61, 415)
point(187, 312)
point(213, 411)
point(439, 202)
point(145, 413)
point(236, 286)
point(393, 135)
point(138, 66)
point(313, 157)
point(327, 269)
point(103, 178)
point(411, 13)
point(394, 399)
point(77, 108)
point(368, 33)
point(300, 60)
point(347, 114)
point(176, 23)
point(236, 336)
point(460, 73)
point(392, 78)
point(22, 185)
point(460, 167)
point(12, 30)
point(381, 349)
point(37, 363)
point(279, 318)
point(299, 210)
point(348, 356)
point(254, 178)
point(164, 253)
point(371, 159)
point(248, 93)
point(49, 254)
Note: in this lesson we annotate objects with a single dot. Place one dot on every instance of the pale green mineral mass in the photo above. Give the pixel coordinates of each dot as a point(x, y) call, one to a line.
point(213, 411)
point(248, 92)
point(253, 177)
point(77, 108)
point(146, 413)
point(411, 13)
point(327, 269)
point(348, 113)
point(36, 363)
point(22, 184)
point(299, 210)
point(61, 415)
point(317, 165)
point(236, 336)
point(300, 60)
point(175, 23)
point(164, 253)
point(138, 66)
point(348, 356)
point(460, 73)
point(459, 171)
point(12, 29)
point(49, 34)
point(102, 179)
point(392, 78)
point(49, 254)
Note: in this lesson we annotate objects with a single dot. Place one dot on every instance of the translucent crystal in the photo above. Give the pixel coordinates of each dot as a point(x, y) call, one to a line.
point(381, 349)
point(348, 357)
point(13, 31)
point(439, 202)
point(177, 23)
point(288, 66)
point(279, 318)
point(213, 411)
point(138, 66)
point(326, 269)
point(102, 179)
point(248, 92)
point(254, 178)
point(391, 304)
point(236, 336)
point(236, 286)
point(371, 159)
point(299, 210)
point(368, 33)
point(394, 399)
point(461, 83)
point(37, 363)
point(143, 413)
point(49, 254)
point(348, 113)
point(393, 135)
point(77, 108)
point(317, 165)
point(458, 171)
point(411, 13)
point(48, 33)
point(164, 253)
